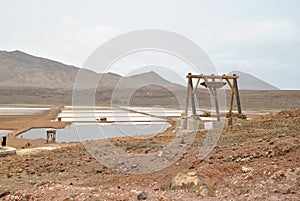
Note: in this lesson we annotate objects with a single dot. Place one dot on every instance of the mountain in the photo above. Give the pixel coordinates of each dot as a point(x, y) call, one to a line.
point(247, 81)
point(34, 80)
point(19, 69)
point(147, 78)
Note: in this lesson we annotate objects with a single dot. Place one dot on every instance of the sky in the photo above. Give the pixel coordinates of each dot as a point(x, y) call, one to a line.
point(260, 37)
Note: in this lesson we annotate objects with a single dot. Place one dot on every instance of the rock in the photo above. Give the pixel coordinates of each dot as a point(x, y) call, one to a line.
point(142, 196)
point(69, 199)
point(192, 181)
point(163, 198)
point(246, 169)
point(19, 170)
point(62, 170)
point(9, 175)
point(3, 194)
point(31, 171)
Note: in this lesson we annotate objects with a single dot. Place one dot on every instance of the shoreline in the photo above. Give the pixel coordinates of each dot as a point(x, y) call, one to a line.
point(23, 123)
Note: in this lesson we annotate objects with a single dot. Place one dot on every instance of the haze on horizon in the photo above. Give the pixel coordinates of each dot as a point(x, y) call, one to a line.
point(257, 37)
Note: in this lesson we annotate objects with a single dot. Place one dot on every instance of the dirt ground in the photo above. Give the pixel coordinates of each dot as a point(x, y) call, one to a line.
point(255, 160)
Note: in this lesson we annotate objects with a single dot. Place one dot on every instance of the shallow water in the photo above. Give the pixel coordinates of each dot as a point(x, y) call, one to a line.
point(5, 132)
point(87, 132)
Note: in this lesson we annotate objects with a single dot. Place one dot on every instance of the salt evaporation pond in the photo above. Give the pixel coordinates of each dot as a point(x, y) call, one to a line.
point(22, 110)
point(87, 132)
point(5, 132)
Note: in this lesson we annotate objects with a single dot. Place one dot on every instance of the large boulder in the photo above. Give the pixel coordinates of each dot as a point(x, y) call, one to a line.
point(192, 181)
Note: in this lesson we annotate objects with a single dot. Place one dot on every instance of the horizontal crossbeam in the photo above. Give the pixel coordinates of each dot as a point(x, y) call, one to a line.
point(213, 76)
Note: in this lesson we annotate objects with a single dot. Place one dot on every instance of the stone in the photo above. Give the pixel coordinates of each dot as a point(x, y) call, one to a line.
point(142, 196)
point(19, 170)
point(31, 171)
point(9, 175)
point(246, 169)
point(191, 180)
point(163, 198)
point(69, 199)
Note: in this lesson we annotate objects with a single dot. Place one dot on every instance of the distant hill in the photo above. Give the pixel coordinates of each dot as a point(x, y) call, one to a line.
point(146, 79)
point(247, 81)
point(19, 69)
point(34, 80)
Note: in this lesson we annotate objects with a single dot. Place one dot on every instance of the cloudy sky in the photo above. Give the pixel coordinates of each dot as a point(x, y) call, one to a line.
point(261, 37)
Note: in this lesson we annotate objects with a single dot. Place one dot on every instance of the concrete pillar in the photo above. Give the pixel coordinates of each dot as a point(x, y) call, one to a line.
point(194, 124)
point(3, 141)
point(181, 124)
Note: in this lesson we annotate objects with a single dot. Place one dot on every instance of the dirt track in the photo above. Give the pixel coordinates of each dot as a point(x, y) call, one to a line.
point(258, 160)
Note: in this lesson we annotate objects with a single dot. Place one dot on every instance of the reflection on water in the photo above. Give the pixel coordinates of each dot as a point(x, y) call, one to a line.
point(86, 132)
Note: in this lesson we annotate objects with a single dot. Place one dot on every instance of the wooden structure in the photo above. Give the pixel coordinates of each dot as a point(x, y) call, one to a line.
point(213, 82)
point(51, 136)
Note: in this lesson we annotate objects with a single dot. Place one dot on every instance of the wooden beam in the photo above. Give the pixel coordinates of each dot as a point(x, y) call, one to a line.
point(192, 97)
point(237, 96)
point(197, 84)
point(231, 86)
point(231, 100)
point(213, 76)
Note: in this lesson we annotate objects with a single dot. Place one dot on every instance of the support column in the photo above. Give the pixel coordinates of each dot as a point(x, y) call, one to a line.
point(192, 97)
point(238, 102)
point(187, 97)
point(215, 94)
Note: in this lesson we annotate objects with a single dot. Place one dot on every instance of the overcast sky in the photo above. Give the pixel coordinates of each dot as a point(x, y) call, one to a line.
point(261, 37)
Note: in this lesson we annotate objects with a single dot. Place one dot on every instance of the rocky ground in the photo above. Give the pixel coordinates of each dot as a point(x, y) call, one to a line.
point(255, 160)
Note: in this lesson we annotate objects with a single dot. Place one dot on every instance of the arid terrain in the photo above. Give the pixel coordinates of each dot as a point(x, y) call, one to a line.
point(256, 160)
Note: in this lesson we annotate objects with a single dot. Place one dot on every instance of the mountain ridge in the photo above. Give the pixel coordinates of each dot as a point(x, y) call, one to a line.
point(20, 69)
point(247, 81)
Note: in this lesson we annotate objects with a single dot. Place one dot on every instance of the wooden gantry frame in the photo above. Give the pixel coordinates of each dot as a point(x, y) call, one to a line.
point(213, 82)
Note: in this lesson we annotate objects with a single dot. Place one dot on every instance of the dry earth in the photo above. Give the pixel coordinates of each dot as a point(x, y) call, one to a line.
point(256, 160)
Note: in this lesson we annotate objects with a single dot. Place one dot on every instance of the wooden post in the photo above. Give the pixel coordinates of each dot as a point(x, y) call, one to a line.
point(187, 97)
point(54, 136)
point(238, 102)
point(232, 97)
point(48, 136)
point(231, 104)
point(215, 94)
point(192, 97)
